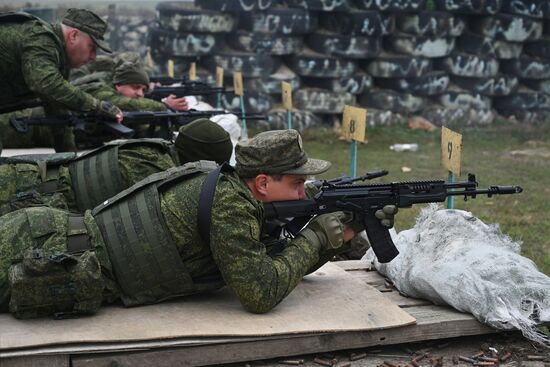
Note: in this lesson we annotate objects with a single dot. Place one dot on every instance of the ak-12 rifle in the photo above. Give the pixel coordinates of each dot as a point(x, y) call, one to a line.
point(364, 200)
point(84, 124)
point(190, 88)
point(169, 121)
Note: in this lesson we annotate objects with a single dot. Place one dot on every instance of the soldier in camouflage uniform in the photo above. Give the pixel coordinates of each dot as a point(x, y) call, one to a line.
point(64, 181)
point(147, 244)
point(37, 57)
point(126, 89)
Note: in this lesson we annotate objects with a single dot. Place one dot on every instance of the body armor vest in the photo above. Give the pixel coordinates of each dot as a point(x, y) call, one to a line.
point(145, 260)
point(96, 175)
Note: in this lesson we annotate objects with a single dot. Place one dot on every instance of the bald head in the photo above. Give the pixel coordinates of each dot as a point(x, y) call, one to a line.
point(79, 46)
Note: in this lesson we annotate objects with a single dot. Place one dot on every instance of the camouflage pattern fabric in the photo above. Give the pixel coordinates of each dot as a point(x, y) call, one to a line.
point(36, 136)
point(34, 64)
point(259, 281)
point(107, 93)
point(19, 182)
point(43, 228)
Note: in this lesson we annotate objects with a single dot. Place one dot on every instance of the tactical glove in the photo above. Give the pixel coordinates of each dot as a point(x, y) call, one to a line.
point(386, 215)
point(327, 230)
point(106, 108)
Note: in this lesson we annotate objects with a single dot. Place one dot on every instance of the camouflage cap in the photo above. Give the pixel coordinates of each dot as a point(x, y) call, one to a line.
point(203, 139)
point(88, 22)
point(131, 73)
point(276, 152)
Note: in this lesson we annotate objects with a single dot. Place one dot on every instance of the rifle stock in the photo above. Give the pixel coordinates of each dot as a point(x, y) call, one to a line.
point(364, 200)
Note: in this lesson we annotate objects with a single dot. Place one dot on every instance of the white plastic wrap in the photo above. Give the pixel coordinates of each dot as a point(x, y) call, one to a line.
point(451, 257)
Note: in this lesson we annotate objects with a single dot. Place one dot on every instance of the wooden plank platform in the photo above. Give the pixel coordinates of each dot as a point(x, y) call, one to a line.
point(433, 322)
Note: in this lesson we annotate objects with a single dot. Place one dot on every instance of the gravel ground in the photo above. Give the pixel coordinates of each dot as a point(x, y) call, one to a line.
point(504, 349)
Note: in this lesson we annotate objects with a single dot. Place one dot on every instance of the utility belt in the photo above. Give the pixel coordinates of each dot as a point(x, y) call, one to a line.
point(56, 283)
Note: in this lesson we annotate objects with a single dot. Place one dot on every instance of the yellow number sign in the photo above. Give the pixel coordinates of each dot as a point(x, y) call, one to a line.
point(451, 150)
point(238, 83)
point(354, 123)
point(287, 95)
point(193, 71)
point(219, 76)
point(171, 68)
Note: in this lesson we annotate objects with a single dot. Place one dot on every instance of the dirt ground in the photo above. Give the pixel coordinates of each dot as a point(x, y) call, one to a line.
point(508, 349)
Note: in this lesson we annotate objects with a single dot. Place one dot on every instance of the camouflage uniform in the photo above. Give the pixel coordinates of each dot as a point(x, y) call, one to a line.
point(235, 250)
point(34, 64)
point(21, 184)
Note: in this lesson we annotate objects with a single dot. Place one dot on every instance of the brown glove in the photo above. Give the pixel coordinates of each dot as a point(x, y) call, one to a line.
point(386, 215)
point(106, 108)
point(327, 230)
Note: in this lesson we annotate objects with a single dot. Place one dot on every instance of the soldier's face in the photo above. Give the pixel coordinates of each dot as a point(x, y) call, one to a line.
point(289, 187)
point(81, 48)
point(131, 90)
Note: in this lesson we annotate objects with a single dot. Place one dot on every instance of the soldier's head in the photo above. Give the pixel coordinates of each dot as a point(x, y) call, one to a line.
point(275, 166)
point(203, 139)
point(83, 32)
point(131, 80)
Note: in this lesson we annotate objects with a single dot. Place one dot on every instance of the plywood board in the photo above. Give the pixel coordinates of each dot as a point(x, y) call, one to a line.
point(329, 300)
point(12, 152)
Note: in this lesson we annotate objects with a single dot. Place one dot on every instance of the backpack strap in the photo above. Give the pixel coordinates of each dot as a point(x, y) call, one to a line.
point(206, 199)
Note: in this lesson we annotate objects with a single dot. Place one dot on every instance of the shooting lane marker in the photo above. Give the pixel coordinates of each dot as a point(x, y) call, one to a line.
point(287, 101)
point(170, 68)
point(193, 71)
point(354, 126)
point(219, 84)
point(149, 60)
point(451, 153)
point(239, 91)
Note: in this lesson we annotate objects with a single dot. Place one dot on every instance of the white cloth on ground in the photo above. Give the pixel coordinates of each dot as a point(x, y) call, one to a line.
point(451, 257)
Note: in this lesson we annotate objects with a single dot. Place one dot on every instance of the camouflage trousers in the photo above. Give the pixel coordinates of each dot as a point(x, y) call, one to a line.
point(47, 230)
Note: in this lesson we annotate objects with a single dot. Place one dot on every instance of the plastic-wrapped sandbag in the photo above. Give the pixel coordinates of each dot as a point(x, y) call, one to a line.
point(451, 257)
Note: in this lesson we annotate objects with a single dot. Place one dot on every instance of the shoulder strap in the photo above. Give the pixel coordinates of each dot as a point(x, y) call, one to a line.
point(206, 199)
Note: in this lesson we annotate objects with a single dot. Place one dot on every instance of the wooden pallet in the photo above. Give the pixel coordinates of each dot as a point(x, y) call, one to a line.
point(433, 322)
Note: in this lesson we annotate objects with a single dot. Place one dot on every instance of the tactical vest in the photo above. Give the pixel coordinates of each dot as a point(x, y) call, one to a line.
point(96, 175)
point(145, 260)
point(48, 167)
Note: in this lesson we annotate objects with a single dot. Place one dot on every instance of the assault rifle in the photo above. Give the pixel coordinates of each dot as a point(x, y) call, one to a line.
point(168, 121)
point(364, 200)
point(191, 88)
point(167, 80)
point(86, 124)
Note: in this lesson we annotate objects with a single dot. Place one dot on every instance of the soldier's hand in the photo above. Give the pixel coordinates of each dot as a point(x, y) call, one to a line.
point(328, 229)
point(177, 104)
point(106, 108)
point(386, 215)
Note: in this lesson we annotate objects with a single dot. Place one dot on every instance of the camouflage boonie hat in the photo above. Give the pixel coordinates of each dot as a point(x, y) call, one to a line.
point(131, 73)
point(88, 22)
point(278, 152)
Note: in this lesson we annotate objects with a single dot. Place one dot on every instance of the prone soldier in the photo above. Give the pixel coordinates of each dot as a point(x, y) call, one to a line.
point(173, 234)
point(66, 181)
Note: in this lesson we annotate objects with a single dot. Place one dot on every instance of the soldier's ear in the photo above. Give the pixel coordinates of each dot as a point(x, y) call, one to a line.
point(260, 184)
point(73, 34)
